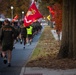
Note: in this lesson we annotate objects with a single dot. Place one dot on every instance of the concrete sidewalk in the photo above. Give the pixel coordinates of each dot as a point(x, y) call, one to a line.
point(44, 71)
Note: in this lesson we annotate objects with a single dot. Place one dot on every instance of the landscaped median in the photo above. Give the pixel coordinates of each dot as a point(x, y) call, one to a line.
point(45, 53)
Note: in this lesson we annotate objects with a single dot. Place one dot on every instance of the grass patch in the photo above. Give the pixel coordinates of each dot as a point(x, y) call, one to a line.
point(45, 53)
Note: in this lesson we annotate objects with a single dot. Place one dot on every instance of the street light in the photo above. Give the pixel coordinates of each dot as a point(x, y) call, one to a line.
point(12, 12)
point(22, 14)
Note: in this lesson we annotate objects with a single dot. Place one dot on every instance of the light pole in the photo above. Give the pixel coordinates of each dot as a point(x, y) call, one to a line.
point(12, 12)
point(22, 15)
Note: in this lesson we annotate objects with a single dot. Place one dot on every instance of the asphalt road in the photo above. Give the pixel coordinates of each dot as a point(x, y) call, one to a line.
point(19, 57)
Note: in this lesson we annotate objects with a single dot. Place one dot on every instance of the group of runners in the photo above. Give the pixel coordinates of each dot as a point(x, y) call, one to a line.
point(11, 32)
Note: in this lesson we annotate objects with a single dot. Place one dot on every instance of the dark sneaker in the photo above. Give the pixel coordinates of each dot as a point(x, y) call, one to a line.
point(13, 47)
point(9, 64)
point(23, 47)
point(21, 42)
point(5, 60)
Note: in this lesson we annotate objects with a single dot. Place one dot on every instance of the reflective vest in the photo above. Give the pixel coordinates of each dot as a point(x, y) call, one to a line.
point(29, 30)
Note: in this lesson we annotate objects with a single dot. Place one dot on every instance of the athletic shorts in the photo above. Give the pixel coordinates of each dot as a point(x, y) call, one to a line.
point(7, 47)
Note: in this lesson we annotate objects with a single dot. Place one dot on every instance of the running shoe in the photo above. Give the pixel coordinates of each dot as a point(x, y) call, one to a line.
point(5, 60)
point(9, 64)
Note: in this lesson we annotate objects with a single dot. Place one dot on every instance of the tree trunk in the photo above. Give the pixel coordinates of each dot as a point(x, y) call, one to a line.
point(70, 37)
point(68, 43)
point(74, 29)
point(64, 43)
